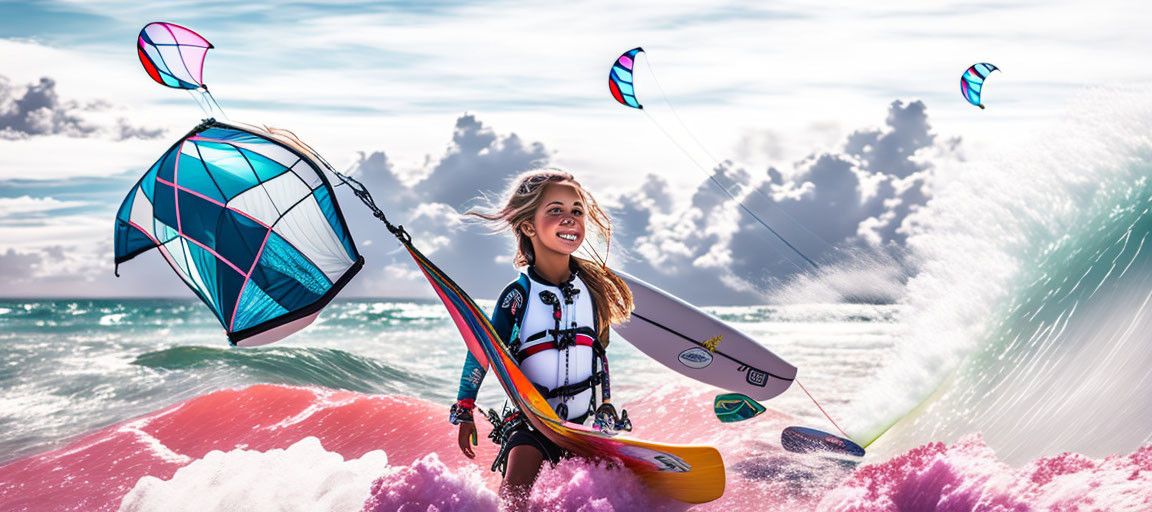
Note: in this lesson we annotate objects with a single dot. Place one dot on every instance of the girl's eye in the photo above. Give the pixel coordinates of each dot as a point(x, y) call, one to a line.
point(554, 209)
point(577, 212)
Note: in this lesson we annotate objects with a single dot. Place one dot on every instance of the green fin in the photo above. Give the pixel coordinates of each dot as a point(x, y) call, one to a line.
point(733, 407)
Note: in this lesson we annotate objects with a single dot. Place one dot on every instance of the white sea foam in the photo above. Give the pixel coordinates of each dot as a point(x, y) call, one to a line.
point(303, 477)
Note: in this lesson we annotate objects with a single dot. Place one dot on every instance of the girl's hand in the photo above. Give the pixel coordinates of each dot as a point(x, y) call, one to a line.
point(467, 438)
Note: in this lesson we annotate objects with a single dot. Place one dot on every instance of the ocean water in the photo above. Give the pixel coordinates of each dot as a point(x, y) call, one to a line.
point(153, 387)
point(1013, 375)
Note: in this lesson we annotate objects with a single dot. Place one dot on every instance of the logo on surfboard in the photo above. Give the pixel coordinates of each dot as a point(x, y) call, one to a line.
point(660, 461)
point(695, 357)
point(712, 342)
point(754, 377)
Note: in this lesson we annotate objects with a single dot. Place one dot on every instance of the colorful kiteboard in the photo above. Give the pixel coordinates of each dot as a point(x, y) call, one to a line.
point(700, 346)
point(692, 474)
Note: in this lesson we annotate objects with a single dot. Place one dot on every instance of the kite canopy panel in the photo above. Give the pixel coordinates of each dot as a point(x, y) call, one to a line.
point(173, 55)
point(250, 223)
point(620, 78)
point(972, 82)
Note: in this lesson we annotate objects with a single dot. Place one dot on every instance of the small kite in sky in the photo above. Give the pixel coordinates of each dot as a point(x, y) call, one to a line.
point(972, 82)
point(620, 78)
point(173, 55)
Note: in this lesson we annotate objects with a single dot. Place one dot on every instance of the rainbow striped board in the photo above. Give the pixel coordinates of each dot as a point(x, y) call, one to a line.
point(691, 474)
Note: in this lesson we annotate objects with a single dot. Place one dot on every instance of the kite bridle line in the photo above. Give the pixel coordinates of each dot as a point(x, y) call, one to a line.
point(353, 184)
point(739, 203)
point(648, 62)
point(716, 161)
point(825, 412)
point(207, 103)
point(366, 198)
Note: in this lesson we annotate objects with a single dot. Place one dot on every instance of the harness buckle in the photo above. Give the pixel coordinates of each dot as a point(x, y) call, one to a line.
point(565, 338)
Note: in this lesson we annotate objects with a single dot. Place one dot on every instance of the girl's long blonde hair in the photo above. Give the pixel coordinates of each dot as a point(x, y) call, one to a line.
point(612, 296)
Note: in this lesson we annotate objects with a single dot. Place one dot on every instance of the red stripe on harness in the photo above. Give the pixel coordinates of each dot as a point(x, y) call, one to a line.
point(581, 339)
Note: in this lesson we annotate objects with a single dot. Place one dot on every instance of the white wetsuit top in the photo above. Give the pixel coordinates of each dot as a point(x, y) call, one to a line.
point(552, 358)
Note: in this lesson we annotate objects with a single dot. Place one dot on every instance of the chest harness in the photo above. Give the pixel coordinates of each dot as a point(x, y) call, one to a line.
point(556, 345)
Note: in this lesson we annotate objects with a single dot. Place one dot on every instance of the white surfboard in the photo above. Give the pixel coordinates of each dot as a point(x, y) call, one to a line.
point(700, 346)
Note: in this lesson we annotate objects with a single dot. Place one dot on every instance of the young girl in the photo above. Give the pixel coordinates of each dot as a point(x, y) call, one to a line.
point(554, 318)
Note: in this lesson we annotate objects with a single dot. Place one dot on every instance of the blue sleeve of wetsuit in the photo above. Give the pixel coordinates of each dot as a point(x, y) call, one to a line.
point(509, 305)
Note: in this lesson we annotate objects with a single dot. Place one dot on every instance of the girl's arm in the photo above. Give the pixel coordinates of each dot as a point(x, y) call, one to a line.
point(509, 309)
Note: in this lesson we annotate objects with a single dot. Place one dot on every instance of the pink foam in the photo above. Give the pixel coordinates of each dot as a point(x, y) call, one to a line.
point(430, 485)
point(593, 487)
point(967, 476)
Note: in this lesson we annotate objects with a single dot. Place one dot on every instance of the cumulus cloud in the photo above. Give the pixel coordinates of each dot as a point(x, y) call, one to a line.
point(79, 270)
point(478, 162)
point(17, 267)
point(848, 209)
point(24, 205)
point(37, 110)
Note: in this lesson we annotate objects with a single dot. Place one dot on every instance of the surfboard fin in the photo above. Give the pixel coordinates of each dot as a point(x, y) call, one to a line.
point(733, 407)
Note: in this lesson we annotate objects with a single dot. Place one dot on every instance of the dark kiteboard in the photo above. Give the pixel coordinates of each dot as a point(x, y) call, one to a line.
point(810, 440)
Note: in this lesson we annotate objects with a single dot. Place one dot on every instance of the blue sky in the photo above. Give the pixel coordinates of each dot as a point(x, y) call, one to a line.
point(759, 85)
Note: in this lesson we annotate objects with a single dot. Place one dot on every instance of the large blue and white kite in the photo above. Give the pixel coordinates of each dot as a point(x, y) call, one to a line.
point(248, 220)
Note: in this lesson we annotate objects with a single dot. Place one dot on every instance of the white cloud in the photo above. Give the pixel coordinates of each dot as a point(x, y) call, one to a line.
point(57, 157)
point(37, 110)
point(795, 77)
point(54, 231)
point(27, 204)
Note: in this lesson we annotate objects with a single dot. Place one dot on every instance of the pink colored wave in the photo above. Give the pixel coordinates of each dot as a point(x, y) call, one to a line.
point(424, 470)
point(259, 418)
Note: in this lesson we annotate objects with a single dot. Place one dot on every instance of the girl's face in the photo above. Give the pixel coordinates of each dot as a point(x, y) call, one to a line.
point(558, 225)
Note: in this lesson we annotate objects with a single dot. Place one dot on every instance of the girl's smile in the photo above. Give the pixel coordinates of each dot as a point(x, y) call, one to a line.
point(559, 221)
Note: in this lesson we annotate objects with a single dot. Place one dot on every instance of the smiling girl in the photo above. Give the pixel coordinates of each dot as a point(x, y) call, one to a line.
point(554, 319)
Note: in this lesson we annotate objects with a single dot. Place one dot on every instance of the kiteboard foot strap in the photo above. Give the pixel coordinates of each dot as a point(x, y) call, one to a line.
point(609, 422)
point(502, 428)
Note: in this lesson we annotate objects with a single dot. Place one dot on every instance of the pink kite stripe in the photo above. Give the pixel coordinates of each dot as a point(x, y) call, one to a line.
point(146, 233)
point(202, 246)
point(199, 79)
point(175, 189)
point(209, 199)
point(214, 253)
point(232, 323)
